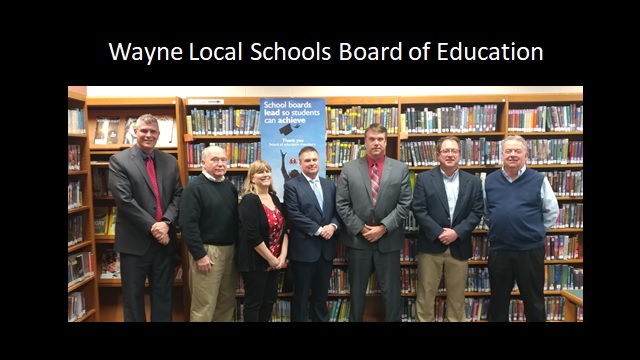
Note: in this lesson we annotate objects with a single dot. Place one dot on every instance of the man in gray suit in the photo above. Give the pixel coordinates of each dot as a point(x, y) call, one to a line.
point(145, 235)
point(374, 222)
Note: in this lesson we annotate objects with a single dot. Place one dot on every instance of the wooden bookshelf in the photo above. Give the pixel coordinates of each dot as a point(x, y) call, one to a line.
point(80, 218)
point(374, 310)
point(503, 105)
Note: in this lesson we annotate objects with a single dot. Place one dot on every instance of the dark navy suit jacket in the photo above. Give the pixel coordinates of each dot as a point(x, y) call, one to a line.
point(431, 210)
point(305, 217)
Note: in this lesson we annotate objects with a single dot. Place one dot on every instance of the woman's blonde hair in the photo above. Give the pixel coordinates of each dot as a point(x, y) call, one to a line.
point(256, 167)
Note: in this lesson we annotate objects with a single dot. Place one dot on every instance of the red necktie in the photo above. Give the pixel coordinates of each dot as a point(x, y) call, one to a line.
point(154, 182)
point(375, 182)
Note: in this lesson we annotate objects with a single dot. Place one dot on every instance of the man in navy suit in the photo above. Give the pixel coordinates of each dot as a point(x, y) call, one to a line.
point(313, 222)
point(146, 238)
point(373, 231)
point(447, 205)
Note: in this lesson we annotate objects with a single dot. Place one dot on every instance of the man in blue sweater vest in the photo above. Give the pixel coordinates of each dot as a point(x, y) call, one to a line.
point(520, 207)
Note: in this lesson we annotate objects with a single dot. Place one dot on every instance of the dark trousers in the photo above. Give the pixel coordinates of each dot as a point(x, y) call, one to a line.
point(157, 264)
point(527, 269)
point(314, 277)
point(260, 293)
point(387, 267)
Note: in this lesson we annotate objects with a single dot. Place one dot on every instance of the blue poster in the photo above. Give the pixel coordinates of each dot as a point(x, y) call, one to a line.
point(288, 125)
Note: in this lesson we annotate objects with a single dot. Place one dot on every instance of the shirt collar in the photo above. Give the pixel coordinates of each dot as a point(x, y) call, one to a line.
point(310, 179)
point(370, 160)
point(208, 176)
point(145, 155)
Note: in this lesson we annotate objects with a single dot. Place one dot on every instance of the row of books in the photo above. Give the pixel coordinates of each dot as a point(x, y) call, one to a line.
point(76, 123)
point(565, 183)
point(474, 152)
point(563, 277)
point(237, 180)
point(239, 155)
point(555, 151)
point(557, 277)
point(229, 121)
point(77, 306)
point(546, 118)
point(74, 194)
point(570, 216)
point(476, 309)
point(451, 119)
point(339, 152)
point(356, 119)
point(74, 229)
point(75, 157)
point(108, 131)
point(79, 267)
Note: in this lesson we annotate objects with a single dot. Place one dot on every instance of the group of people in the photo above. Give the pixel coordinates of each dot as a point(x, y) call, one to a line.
point(365, 210)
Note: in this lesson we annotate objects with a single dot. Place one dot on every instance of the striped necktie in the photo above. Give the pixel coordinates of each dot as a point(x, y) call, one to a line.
point(375, 182)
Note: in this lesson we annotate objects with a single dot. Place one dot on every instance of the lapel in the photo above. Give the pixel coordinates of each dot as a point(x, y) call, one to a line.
point(324, 194)
point(366, 180)
point(141, 164)
point(462, 194)
point(438, 185)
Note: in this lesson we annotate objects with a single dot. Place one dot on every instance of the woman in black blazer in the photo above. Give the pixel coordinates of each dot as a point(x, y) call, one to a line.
point(263, 244)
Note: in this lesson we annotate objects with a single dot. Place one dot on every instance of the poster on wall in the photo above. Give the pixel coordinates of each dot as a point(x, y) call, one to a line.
point(288, 125)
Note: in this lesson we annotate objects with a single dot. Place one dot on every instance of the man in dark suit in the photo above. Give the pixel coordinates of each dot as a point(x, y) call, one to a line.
point(373, 231)
point(145, 235)
point(447, 205)
point(313, 222)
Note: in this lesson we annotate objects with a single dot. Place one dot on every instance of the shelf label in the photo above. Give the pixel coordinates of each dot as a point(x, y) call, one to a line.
point(205, 101)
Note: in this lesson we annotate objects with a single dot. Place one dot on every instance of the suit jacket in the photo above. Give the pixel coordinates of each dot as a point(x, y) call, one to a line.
point(132, 191)
point(431, 210)
point(355, 206)
point(305, 217)
point(254, 229)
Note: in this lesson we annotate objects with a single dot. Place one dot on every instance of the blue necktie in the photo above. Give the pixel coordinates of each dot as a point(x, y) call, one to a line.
point(316, 189)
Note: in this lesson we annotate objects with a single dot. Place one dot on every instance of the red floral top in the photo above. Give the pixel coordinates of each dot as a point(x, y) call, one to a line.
point(274, 217)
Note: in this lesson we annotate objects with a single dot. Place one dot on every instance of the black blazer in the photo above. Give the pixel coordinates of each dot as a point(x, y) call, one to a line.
point(130, 185)
point(431, 210)
point(254, 229)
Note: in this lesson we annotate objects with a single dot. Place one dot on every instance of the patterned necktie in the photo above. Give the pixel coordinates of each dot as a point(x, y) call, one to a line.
point(154, 182)
point(316, 189)
point(375, 182)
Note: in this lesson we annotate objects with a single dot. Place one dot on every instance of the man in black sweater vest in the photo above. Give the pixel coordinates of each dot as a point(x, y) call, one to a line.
point(520, 207)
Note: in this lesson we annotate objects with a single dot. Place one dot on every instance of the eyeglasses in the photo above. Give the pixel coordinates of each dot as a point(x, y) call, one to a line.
point(517, 151)
point(450, 151)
